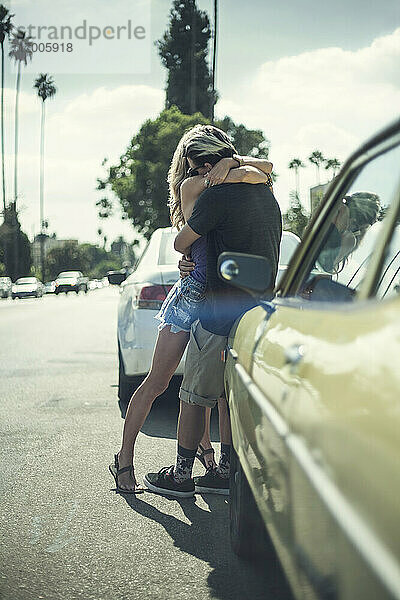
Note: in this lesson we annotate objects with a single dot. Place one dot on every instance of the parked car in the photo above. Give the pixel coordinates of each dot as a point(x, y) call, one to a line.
point(50, 287)
point(71, 281)
point(142, 295)
point(312, 380)
point(26, 287)
point(5, 287)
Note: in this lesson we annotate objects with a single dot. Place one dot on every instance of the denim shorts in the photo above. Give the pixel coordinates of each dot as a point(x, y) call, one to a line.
point(182, 306)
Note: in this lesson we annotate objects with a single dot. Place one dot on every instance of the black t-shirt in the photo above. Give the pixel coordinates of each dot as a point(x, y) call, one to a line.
point(236, 217)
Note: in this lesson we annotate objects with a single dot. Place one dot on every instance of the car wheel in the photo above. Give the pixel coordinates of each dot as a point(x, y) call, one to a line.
point(249, 538)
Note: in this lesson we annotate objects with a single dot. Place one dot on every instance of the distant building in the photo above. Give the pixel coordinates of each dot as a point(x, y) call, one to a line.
point(49, 244)
point(316, 194)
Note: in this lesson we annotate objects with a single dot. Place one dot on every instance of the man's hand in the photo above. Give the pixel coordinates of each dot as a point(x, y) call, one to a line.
point(185, 266)
point(219, 171)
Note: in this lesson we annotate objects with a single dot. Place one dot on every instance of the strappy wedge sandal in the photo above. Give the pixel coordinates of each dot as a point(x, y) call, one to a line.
point(203, 453)
point(116, 471)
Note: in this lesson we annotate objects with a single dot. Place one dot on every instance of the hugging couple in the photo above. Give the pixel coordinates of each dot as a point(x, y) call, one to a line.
point(219, 202)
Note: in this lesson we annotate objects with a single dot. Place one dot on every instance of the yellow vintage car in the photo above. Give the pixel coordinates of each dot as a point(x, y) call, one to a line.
point(313, 383)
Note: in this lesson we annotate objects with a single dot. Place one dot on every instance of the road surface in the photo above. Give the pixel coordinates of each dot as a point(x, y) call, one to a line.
point(65, 534)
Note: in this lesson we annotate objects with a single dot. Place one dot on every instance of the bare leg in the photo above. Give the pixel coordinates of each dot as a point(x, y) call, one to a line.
point(190, 425)
point(224, 422)
point(168, 352)
point(205, 442)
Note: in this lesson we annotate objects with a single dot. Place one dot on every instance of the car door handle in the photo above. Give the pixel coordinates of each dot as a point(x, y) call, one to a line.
point(294, 354)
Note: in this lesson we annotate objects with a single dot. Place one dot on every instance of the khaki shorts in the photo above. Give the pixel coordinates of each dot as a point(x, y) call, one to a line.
point(203, 380)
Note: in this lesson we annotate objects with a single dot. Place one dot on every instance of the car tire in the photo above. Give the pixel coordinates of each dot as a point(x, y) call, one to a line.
point(249, 538)
point(126, 385)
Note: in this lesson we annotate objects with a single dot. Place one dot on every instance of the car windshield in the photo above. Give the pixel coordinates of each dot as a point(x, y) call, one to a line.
point(26, 280)
point(69, 274)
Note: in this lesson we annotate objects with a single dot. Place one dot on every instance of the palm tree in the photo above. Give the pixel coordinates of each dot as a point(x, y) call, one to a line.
point(21, 51)
point(5, 30)
point(317, 159)
point(296, 164)
point(45, 89)
point(334, 164)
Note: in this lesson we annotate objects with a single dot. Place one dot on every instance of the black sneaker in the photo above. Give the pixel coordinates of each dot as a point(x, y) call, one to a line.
point(164, 483)
point(212, 483)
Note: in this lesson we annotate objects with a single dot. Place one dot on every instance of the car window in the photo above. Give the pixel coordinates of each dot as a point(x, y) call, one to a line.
point(354, 226)
point(289, 244)
point(26, 280)
point(149, 254)
point(69, 274)
point(389, 281)
point(168, 255)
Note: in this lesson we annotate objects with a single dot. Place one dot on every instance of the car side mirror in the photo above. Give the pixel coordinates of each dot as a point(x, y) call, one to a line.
point(246, 271)
point(116, 277)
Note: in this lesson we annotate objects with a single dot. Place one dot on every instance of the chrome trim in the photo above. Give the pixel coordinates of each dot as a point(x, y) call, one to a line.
point(373, 551)
point(233, 353)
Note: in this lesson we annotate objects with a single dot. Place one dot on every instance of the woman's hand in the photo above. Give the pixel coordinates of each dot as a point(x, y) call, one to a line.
point(185, 266)
point(219, 171)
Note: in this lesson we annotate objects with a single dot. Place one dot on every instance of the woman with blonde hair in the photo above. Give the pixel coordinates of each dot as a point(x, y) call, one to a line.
point(205, 156)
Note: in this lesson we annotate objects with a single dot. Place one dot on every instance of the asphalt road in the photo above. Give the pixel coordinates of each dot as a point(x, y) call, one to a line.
point(65, 534)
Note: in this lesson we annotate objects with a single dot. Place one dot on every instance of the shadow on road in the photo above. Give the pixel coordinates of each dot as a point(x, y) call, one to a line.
point(207, 538)
point(163, 418)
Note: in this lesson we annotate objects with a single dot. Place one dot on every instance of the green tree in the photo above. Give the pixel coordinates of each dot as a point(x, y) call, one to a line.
point(332, 164)
point(317, 159)
point(91, 259)
point(11, 236)
point(250, 142)
point(183, 50)
point(296, 164)
point(140, 179)
point(68, 257)
point(295, 218)
point(45, 87)
point(5, 30)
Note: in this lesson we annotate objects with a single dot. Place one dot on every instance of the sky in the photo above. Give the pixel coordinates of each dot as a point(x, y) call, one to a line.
point(310, 75)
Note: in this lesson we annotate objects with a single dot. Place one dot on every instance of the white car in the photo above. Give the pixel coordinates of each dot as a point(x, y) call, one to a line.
point(142, 295)
point(26, 287)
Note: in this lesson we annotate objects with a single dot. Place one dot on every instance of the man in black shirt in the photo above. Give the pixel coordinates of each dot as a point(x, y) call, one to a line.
point(238, 218)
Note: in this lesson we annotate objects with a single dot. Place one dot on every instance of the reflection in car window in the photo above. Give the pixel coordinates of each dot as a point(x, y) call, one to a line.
point(354, 227)
point(389, 281)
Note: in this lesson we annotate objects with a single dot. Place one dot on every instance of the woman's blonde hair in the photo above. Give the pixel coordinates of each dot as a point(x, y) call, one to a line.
point(202, 143)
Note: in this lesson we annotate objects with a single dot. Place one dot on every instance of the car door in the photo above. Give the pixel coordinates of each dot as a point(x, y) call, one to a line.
point(327, 365)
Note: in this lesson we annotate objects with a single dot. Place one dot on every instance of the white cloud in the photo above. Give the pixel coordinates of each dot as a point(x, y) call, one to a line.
point(331, 99)
point(78, 136)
